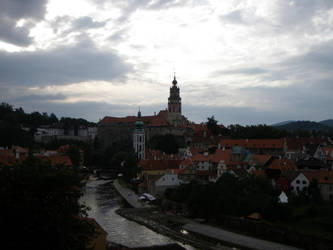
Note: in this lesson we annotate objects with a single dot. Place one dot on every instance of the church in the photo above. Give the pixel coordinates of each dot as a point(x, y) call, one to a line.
point(140, 128)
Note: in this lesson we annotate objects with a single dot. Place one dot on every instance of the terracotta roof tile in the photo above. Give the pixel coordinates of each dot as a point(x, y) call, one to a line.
point(259, 159)
point(159, 164)
point(160, 120)
point(259, 172)
point(60, 159)
point(322, 176)
point(253, 143)
point(328, 152)
point(127, 119)
point(297, 144)
point(282, 164)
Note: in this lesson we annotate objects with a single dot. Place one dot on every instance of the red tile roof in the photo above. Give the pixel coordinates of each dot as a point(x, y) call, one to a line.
point(63, 148)
point(328, 152)
point(60, 159)
point(159, 164)
point(127, 119)
point(259, 172)
point(7, 157)
point(215, 158)
point(253, 143)
point(322, 176)
point(159, 155)
point(259, 159)
point(297, 144)
point(282, 164)
point(160, 120)
point(187, 162)
point(20, 149)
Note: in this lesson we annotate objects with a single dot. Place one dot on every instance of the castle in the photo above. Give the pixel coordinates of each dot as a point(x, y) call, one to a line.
point(168, 121)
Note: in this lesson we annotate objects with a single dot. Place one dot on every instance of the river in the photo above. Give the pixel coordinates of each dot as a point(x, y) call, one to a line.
point(103, 200)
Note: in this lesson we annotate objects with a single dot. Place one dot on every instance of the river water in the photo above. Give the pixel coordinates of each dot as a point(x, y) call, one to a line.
point(103, 200)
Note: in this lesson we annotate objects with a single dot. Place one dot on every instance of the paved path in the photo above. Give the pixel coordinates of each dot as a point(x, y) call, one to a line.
point(129, 196)
point(237, 239)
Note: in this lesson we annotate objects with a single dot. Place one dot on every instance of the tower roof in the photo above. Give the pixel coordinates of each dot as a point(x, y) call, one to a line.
point(174, 82)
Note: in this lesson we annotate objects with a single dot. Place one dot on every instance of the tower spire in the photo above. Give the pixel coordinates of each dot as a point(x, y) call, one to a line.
point(174, 82)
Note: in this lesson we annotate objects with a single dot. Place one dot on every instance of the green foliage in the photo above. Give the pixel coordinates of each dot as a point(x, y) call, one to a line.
point(212, 125)
point(166, 143)
point(39, 207)
point(229, 195)
point(74, 154)
point(307, 128)
point(119, 156)
point(255, 132)
point(12, 120)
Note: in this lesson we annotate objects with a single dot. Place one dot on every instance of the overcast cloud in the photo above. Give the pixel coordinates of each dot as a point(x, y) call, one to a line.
point(244, 61)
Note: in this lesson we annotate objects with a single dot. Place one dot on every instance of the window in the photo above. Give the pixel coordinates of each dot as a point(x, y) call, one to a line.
point(304, 182)
point(297, 181)
point(297, 188)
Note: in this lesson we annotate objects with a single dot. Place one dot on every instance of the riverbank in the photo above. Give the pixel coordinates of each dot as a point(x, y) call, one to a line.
point(169, 225)
point(202, 236)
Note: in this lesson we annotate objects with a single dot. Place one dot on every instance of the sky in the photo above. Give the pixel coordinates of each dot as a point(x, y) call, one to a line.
point(243, 61)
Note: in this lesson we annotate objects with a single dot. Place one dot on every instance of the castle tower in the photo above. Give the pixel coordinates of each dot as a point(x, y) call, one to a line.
point(139, 138)
point(174, 101)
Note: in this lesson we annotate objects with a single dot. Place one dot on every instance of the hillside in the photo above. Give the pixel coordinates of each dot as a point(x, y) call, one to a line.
point(281, 123)
point(306, 125)
point(328, 122)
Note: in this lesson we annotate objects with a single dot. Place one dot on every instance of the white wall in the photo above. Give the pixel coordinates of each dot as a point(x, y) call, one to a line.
point(299, 183)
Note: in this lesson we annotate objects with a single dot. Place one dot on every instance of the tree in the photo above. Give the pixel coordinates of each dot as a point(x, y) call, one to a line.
point(314, 192)
point(166, 143)
point(74, 154)
point(39, 204)
point(212, 125)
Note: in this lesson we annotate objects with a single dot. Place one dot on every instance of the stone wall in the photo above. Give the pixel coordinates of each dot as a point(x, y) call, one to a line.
point(112, 132)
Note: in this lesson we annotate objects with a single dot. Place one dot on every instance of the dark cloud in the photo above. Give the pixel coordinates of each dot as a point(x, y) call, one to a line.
point(12, 11)
point(62, 65)
point(33, 98)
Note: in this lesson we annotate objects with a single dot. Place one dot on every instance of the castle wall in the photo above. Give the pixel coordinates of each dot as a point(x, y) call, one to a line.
point(112, 132)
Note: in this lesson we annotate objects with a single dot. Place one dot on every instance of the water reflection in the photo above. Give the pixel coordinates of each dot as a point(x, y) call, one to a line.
point(101, 197)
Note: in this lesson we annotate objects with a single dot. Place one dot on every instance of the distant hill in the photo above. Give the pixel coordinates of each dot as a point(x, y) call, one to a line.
point(281, 123)
point(328, 122)
point(307, 125)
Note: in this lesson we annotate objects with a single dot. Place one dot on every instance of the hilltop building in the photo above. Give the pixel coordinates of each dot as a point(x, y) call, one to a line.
point(168, 121)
